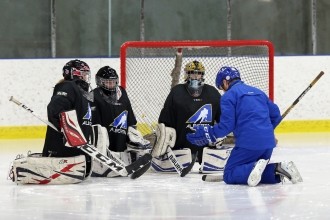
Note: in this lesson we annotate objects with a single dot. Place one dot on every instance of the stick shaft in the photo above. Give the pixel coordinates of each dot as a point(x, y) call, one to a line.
point(12, 99)
point(302, 94)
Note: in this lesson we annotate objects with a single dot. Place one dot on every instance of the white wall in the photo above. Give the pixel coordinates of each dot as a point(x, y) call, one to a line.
point(31, 81)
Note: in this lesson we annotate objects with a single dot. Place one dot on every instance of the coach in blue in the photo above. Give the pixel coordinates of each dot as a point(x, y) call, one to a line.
point(252, 117)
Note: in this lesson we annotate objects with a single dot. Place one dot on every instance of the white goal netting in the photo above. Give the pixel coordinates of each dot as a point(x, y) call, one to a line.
point(149, 69)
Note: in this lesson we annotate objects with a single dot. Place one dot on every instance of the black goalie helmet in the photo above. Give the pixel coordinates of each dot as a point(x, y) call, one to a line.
point(107, 78)
point(77, 69)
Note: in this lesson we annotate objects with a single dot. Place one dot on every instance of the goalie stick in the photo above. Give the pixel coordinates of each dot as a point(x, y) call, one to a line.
point(136, 169)
point(219, 178)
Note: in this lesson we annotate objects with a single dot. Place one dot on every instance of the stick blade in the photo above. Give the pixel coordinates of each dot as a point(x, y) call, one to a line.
point(212, 178)
point(186, 170)
point(139, 167)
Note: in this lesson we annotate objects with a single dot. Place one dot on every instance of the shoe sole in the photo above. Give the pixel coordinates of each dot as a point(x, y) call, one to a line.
point(256, 173)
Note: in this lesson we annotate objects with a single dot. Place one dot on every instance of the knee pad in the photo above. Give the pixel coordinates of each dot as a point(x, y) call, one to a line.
point(163, 164)
point(214, 160)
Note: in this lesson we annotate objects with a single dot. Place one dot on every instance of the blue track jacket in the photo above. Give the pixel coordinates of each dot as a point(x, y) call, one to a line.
point(250, 115)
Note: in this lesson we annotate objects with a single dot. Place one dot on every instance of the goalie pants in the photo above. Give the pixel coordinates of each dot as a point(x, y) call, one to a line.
point(241, 162)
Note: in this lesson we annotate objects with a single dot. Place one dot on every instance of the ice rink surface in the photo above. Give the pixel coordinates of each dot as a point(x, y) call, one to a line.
point(168, 196)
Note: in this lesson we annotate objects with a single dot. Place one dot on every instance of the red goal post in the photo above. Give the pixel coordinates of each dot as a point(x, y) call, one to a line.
point(149, 69)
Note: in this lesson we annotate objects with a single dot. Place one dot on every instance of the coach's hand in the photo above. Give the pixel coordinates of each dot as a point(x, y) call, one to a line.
point(203, 136)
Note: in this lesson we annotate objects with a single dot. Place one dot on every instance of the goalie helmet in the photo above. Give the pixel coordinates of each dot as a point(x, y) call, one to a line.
point(107, 79)
point(77, 69)
point(227, 73)
point(194, 74)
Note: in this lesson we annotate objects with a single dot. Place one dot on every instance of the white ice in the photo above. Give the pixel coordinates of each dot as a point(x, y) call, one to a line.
point(168, 196)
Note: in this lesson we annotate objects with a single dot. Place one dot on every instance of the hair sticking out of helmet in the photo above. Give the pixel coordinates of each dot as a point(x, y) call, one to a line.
point(194, 74)
point(227, 73)
point(77, 69)
point(107, 79)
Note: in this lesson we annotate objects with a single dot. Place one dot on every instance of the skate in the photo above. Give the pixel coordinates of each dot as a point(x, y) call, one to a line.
point(287, 169)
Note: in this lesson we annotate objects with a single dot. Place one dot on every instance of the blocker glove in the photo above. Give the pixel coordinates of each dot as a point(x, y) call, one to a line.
point(204, 135)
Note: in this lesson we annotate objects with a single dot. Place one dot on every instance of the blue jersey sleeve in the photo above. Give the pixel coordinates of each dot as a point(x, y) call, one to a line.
point(274, 114)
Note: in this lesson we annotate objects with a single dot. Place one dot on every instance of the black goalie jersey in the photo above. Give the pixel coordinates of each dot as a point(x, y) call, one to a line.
point(181, 110)
point(67, 95)
point(115, 115)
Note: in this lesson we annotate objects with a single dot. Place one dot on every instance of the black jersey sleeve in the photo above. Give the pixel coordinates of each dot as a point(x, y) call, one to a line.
point(166, 115)
point(131, 119)
point(62, 100)
point(96, 108)
point(217, 108)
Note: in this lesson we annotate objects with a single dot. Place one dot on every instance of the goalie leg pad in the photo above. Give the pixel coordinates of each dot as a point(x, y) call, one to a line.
point(136, 140)
point(101, 142)
point(35, 169)
point(101, 138)
point(166, 137)
point(163, 164)
point(136, 154)
point(100, 170)
point(214, 160)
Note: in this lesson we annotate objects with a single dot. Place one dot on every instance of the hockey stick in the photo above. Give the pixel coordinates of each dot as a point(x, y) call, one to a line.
point(218, 178)
point(136, 169)
point(182, 171)
point(303, 94)
point(12, 99)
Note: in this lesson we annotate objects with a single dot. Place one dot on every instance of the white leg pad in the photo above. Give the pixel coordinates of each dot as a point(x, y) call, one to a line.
point(166, 137)
point(214, 160)
point(136, 153)
point(35, 169)
point(100, 170)
point(163, 164)
point(101, 134)
point(101, 142)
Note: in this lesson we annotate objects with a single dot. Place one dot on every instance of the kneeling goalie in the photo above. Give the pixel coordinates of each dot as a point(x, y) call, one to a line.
point(188, 105)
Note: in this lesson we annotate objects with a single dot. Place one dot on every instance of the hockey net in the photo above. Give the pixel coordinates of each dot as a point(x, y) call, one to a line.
point(150, 69)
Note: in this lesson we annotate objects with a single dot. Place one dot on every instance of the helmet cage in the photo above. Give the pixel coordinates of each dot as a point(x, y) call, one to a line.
point(83, 74)
point(194, 75)
point(110, 84)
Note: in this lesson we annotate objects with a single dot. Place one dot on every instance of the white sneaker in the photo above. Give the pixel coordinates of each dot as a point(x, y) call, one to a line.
point(255, 175)
point(288, 170)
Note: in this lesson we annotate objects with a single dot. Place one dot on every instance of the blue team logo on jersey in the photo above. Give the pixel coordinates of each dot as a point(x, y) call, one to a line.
point(120, 121)
point(203, 115)
point(88, 115)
